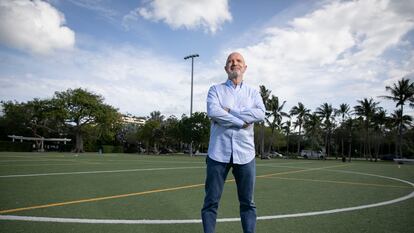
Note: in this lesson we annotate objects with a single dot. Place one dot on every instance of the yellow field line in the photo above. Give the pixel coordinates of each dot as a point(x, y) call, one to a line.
point(99, 198)
point(144, 192)
point(297, 171)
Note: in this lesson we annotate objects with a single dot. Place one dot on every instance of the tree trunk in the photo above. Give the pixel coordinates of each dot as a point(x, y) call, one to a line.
point(271, 142)
point(262, 140)
point(350, 147)
point(400, 134)
point(369, 147)
point(287, 145)
point(326, 144)
point(300, 129)
point(377, 149)
point(79, 142)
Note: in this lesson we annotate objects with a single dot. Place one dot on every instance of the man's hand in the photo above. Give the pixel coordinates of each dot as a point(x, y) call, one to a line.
point(226, 109)
point(245, 125)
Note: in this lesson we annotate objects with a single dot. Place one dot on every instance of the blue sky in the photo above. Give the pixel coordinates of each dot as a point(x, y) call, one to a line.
point(131, 52)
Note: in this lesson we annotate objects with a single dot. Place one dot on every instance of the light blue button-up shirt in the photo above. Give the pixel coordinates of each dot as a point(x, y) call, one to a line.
point(227, 135)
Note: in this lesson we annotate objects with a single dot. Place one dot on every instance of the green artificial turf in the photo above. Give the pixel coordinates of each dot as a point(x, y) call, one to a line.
point(171, 187)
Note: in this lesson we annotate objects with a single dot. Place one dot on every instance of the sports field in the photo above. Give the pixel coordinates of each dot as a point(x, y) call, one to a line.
point(58, 192)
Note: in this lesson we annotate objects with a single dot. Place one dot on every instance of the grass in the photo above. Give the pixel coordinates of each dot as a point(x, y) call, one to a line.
point(122, 186)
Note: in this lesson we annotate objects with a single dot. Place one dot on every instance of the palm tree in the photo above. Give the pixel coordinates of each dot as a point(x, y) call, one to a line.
point(325, 111)
point(401, 122)
point(350, 125)
point(366, 110)
point(275, 111)
point(401, 92)
point(379, 120)
point(343, 112)
point(265, 93)
point(312, 127)
point(156, 116)
point(155, 120)
point(286, 128)
point(301, 113)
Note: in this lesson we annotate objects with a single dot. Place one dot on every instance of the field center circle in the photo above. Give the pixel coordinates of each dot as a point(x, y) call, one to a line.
point(190, 221)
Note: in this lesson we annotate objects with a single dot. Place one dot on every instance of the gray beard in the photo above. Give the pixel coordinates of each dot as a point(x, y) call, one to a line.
point(233, 75)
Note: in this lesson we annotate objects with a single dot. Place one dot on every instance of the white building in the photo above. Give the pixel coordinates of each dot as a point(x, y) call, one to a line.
point(129, 119)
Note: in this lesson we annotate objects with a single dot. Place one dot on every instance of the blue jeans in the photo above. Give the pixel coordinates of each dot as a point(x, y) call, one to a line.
point(245, 176)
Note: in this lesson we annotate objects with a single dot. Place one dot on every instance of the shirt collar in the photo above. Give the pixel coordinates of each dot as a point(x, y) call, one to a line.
point(229, 83)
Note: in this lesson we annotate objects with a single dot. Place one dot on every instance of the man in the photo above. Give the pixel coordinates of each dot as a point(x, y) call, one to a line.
point(233, 108)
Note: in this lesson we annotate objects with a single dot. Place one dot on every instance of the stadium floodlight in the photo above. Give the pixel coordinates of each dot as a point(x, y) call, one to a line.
point(192, 56)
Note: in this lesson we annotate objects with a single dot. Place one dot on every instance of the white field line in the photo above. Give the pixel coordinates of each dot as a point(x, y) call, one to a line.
point(106, 160)
point(283, 166)
point(272, 164)
point(40, 165)
point(36, 160)
point(97, 172)
point(128, 170)
point(155, 161)
point(189, 221)
point(31, 156)
point(89, 163)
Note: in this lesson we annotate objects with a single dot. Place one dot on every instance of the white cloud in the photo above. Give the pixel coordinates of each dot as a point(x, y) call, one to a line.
point(331, 49)
point(189, 14)
point(336, 53)
point(132, 79)
point(35, 26)
point(99, 6)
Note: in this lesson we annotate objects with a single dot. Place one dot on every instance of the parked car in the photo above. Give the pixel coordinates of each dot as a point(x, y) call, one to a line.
point(311, 154)
point(164, 150)
point(388, 157)
point(275, 154)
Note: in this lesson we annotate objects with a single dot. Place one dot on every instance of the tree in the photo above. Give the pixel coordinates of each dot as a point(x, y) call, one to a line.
point(287, 129)
point(401, 122)
point(379, 121)
point(350, 125)
point(325, 111)
point(265, 93)
point(81, 109)
point(149, 133)
point(15, 119)
point(401, 92)
point(301, 113)
point(156, 132)
point(156, 116)
point(366, 110)
point(343, 111)
point(312, 127)
point(129, 137)
point(172, 132)
point(196, 129)
point(276, 113)
point(34, 118)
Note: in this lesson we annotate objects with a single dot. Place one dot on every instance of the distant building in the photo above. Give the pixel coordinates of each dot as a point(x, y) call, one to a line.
point(129, 119)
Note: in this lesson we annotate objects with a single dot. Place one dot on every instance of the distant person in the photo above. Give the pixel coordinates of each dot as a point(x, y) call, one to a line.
point(233, 108)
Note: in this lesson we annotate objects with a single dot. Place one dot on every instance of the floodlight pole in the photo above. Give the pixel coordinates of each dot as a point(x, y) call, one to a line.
point(191, 104)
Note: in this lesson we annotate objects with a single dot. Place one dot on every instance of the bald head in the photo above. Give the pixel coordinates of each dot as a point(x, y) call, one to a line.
point(233, 55)
point(235, 67)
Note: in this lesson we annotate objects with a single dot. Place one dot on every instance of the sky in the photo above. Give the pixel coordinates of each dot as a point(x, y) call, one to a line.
point(132, 52)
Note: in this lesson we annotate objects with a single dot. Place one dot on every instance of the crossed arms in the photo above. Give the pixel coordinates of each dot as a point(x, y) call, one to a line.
point(238, 118)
